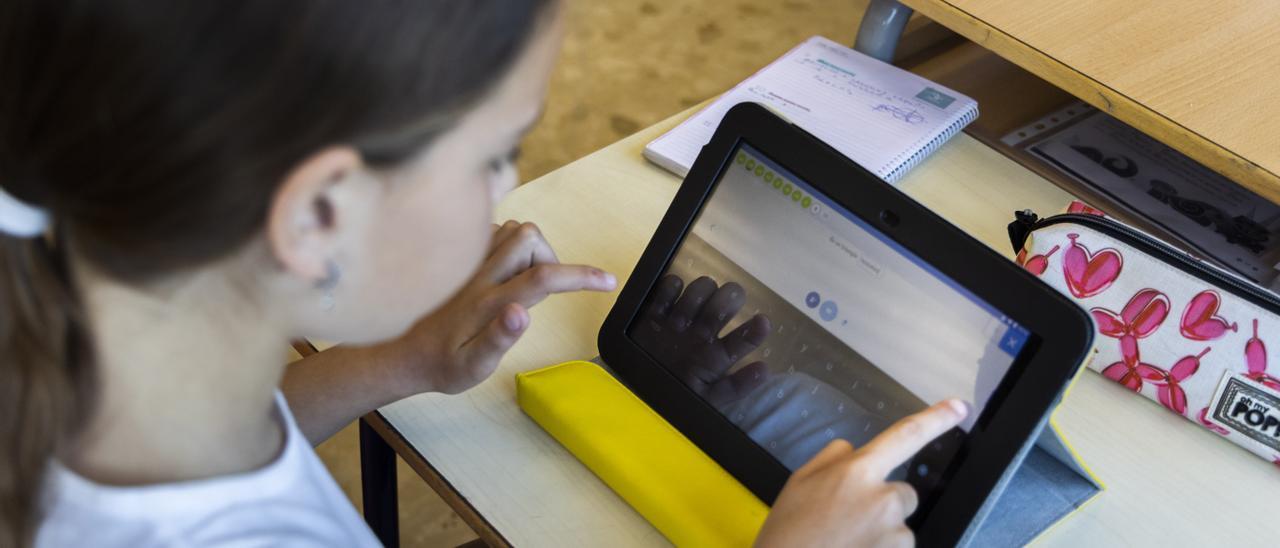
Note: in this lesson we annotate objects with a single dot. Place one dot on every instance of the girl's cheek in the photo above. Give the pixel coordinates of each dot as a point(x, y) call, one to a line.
point(501, 182)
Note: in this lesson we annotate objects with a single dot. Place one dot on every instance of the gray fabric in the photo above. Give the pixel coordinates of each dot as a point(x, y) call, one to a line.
point(1042, 491)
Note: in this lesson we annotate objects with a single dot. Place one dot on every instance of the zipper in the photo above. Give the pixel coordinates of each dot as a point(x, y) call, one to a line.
point(1027, 222)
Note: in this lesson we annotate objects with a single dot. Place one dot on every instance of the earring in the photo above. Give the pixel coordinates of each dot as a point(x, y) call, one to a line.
point(327, 283)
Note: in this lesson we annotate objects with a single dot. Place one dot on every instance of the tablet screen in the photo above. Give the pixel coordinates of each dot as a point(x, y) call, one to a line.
point(801, 323)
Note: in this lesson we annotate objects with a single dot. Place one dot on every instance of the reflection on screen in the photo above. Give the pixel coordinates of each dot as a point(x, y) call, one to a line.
point(801, 323)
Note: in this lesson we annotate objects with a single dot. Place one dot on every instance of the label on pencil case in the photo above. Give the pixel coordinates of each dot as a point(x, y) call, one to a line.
point(1250, 410)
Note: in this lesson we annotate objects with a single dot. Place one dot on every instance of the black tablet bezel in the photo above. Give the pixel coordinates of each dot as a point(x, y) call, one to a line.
point(1062, 330)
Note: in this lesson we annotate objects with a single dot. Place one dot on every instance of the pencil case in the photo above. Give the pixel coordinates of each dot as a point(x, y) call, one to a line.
point(1195, 338)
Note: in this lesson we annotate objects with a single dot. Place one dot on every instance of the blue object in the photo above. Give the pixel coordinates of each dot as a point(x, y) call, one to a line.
point(812, 299)
point(1013, 340)
point(828, 311)
point(1041, 492)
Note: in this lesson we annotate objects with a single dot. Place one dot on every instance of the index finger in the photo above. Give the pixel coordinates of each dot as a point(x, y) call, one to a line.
point(908, 436)
point(535, 284)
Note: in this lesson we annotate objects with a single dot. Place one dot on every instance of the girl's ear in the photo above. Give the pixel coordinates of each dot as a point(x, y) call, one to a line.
point(305, 221)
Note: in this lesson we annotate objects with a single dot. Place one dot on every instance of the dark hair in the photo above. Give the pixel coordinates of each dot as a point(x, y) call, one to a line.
point(155, 133)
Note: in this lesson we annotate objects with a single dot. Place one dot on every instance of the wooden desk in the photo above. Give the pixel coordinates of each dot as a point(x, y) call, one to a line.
point(1201, 77)
point(1169, 482)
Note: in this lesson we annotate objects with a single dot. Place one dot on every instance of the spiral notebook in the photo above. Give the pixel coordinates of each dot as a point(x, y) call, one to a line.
point(884, 118)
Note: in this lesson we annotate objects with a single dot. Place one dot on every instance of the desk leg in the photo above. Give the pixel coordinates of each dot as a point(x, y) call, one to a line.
point(378, 486)
point(881, 29)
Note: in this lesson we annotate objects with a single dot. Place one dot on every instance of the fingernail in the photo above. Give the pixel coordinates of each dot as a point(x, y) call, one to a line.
point(960, 407)
point(610, 281)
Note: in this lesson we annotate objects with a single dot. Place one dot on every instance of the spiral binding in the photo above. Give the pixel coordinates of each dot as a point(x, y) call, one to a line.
point(924, 152)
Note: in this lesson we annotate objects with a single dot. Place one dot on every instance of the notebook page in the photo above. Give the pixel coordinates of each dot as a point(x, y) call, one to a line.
point(876, 114)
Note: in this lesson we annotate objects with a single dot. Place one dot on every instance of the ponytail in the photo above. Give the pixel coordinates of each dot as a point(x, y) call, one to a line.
point(45, 385)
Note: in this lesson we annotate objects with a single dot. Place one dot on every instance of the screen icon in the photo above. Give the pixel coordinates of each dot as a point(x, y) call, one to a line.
point(812, 299)
point(828, 311)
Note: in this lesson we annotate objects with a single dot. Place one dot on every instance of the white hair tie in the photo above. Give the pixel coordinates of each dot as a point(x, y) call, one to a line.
point(19, 219)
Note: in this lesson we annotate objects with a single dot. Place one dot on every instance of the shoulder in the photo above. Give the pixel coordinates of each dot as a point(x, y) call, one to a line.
point(292, 501)
point(169, 515)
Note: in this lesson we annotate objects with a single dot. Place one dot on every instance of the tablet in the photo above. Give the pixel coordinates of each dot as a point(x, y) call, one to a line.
point(789, 297)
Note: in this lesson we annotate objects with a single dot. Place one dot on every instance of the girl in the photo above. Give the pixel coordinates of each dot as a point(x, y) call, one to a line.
point(188, 185)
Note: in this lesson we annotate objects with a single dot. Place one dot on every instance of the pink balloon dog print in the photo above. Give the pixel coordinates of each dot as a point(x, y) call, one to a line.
point(1168, 388)
point(1037, 263)
point(1169, 330)
point(1089, 274)
point(1200, 321)
point(1143, 314)
point(1130, 370)
point(1255, 358)
point(1145, 311)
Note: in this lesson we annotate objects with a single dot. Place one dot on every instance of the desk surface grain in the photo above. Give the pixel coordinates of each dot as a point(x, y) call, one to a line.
point(1201, 77)
point(1169, 482)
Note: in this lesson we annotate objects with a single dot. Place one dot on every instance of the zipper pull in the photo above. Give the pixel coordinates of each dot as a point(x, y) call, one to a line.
point(1024, 222)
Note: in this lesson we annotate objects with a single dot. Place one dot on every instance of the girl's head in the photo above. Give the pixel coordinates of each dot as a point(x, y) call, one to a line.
point(335, 163)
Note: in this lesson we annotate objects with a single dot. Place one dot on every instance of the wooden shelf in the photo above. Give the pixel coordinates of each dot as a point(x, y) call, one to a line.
point(1010, 98)
point(1198, 77)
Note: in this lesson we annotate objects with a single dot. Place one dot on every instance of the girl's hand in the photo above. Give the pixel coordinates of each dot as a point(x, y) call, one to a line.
point(459, 345)
point(841, 498)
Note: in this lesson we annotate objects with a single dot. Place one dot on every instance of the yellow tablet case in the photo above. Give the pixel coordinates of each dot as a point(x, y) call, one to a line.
point(694, 502)
point(651, 465)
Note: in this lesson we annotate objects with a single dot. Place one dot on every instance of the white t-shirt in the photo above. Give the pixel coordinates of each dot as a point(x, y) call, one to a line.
point(293, 501)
